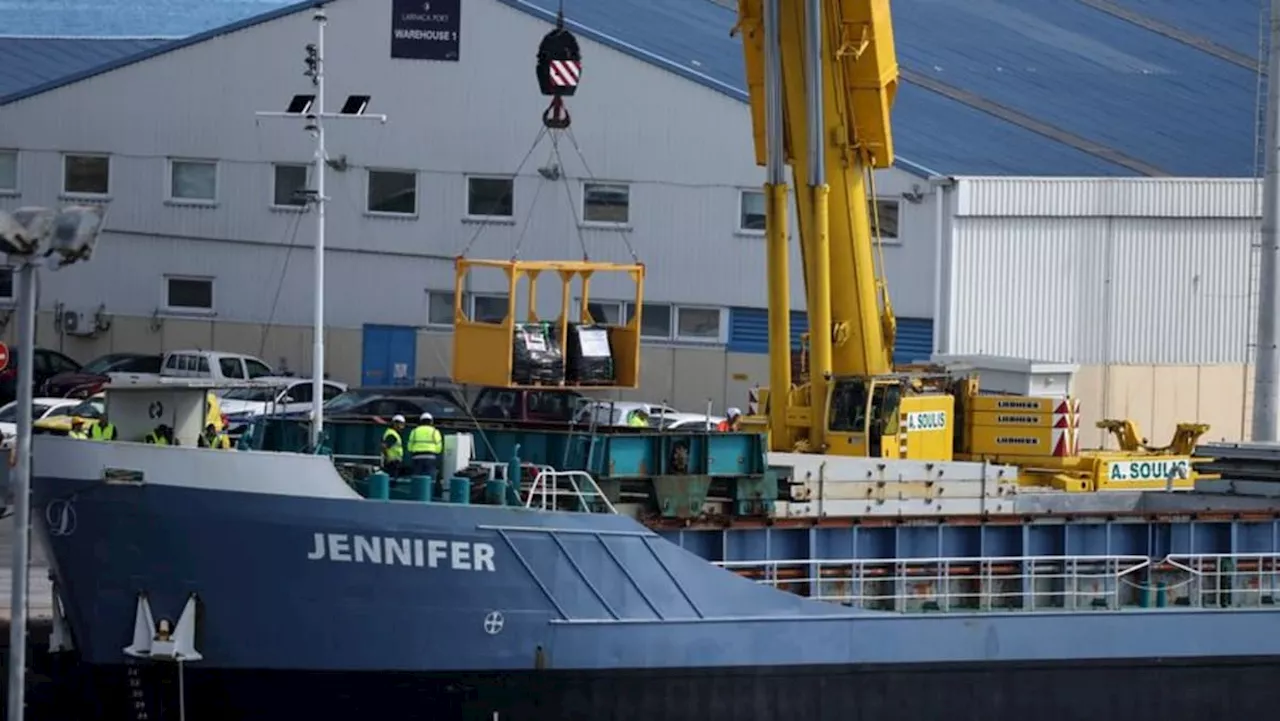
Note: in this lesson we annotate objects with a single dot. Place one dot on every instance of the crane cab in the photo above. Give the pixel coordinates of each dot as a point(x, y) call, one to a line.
point(508, 353)
point(889, 417)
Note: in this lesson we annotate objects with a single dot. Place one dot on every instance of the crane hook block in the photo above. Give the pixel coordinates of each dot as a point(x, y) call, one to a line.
point(559, 63)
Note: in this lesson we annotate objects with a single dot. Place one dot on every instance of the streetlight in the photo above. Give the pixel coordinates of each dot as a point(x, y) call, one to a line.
point(34, 237)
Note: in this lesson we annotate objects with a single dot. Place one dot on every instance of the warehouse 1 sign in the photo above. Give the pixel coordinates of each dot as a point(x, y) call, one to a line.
point(425, 29)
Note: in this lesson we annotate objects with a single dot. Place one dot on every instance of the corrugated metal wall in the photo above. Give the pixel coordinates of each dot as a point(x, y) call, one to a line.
point(1105, 272)
point(749, 333)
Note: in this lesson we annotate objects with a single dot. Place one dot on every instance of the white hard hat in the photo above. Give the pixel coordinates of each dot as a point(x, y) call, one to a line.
point(397, 418)
point(734, 412)
point(426, 417)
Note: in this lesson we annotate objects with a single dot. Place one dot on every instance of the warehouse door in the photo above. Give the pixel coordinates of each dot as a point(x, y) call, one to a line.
point(390, 355)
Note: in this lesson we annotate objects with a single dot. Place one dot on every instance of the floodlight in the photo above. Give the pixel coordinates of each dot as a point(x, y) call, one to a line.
point(22, 230)
point(75, 233)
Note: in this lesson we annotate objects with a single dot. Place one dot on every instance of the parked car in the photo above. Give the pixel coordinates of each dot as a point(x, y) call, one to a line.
point(48, 363)
point(382, 409)
point(40, 408)
point(274, 397)
point(688, 422)
point(95, 374)
point(615, 413)
point(553, 405)
point(59, 422)
point(354, 397)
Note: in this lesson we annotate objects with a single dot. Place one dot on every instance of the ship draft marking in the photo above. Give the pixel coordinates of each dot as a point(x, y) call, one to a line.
point(388, 551)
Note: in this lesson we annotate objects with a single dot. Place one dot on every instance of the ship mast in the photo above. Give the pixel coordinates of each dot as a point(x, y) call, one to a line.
point(311, 109)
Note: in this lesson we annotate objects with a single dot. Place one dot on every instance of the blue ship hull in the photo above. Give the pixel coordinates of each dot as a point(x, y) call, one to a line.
point(325, 607)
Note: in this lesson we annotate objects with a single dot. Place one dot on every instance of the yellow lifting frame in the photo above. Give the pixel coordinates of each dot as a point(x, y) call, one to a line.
point(483, 352)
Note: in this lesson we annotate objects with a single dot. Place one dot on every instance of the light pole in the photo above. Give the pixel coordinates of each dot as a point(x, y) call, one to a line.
point(34, 237)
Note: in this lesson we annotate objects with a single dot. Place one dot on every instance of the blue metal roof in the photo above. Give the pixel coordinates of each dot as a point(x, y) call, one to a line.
point(84, 72)
point(1028, 87)
point(991, 87)
point(27, 63)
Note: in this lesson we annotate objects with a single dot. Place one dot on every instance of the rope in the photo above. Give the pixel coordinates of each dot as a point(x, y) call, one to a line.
point(486, 222)
point(626, 239)
point(568, 192)
point(284, 272)
point(524, 227)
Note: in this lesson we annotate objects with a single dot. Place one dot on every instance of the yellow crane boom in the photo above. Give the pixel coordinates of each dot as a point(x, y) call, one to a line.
point(838, 76)
point(822, 76)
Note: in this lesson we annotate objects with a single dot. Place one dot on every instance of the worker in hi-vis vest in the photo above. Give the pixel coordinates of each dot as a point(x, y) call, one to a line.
point(161, 436)
point(638, 418)
point(77, 429)
point(393, 447)
point(104, 429)
point(425, 446)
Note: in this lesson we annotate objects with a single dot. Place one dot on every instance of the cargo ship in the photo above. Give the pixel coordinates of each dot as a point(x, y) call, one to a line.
point(254, 584)
point(901, 543)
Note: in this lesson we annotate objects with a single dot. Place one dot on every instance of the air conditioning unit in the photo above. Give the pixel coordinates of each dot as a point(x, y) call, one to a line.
point(78, 323)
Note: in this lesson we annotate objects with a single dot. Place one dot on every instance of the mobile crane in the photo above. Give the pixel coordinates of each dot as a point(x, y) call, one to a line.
point(822, 76)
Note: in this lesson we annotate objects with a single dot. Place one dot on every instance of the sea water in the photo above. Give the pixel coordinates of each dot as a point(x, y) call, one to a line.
point(125, 18)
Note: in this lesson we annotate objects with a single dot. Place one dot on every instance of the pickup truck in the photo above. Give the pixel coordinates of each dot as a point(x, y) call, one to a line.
point(208, 365)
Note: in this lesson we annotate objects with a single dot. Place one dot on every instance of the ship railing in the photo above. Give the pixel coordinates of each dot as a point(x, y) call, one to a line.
point(958, 584)
point(554, 490)
point(1218, 580)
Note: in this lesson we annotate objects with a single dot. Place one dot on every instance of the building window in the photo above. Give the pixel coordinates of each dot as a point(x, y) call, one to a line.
point(440, 307)
point(655, 319)
point(188, 294)
point(8, 171)
point(886, 211)
point(193, 181)
point(289, 185)
point(394, 192)
point(698, 323)
point(490, 197)
point(6, 283)
point(751, 211)
point(489, 308)
point(606, 203)
point(86, 174)
point(605, 312)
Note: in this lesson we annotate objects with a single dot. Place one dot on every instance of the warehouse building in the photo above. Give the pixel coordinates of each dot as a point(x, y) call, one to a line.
point(208, 248)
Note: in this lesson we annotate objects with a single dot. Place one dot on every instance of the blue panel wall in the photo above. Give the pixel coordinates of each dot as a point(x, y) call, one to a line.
point(389, 355)
point(749, 333)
